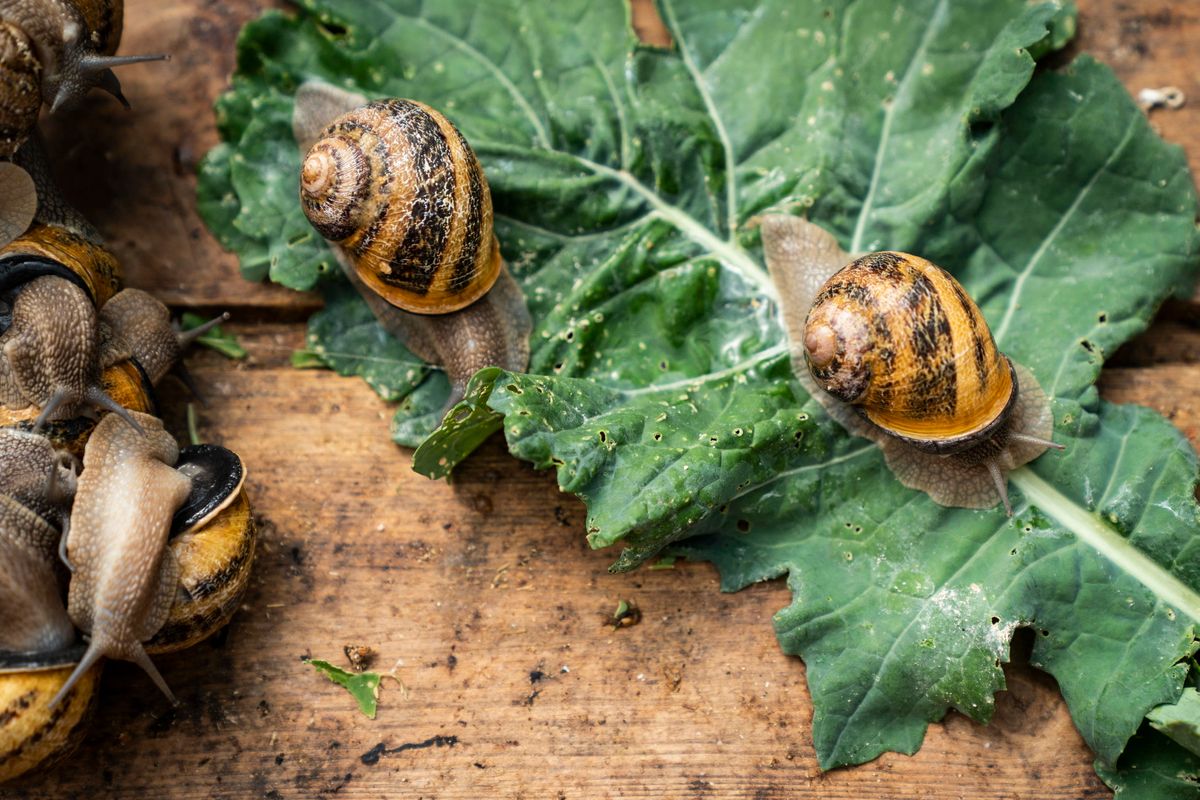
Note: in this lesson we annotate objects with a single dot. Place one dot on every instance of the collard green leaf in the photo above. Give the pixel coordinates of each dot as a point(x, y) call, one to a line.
point(626, 180)
point(1153, 768)
point(1180, 721)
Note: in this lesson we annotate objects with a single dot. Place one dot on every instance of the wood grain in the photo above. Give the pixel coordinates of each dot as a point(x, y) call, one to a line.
point(482, 593)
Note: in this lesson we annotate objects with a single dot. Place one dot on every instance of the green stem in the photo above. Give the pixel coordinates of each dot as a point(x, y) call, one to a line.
point(1092, 530)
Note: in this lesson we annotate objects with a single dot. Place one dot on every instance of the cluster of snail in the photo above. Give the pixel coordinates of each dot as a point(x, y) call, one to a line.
point(889, 343)
point(146, 549)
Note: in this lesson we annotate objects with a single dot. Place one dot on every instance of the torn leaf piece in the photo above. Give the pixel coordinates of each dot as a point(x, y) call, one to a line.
point(224, 343)
point(362, 686)
point(1180, 721)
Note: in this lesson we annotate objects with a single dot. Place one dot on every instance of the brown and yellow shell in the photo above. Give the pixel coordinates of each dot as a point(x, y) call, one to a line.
point(31, 733)
point(214, 558)
point(20, 88)
point(212, 540)
point(95, 269)
point(397, 187)
point(125, 382)
point(900, 339)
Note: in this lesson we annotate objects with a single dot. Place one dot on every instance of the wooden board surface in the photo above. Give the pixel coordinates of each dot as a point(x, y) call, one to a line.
point(482, 593)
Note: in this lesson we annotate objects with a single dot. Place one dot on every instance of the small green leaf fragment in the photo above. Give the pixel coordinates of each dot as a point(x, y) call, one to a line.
point(464, 428)
point(666, 562)
point(1180, 721)
point(308, 359)
point(362, 686)
point(193, 431)
point(224, 343)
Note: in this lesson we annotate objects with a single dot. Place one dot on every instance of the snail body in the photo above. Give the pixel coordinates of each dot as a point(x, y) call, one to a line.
point(32, 616)
point(896, 350)
point(401, 197)
point(124, 579)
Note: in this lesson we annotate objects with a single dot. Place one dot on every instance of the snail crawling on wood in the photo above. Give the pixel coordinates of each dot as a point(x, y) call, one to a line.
point(896, 351)
point(399, 194)
point(52, 52)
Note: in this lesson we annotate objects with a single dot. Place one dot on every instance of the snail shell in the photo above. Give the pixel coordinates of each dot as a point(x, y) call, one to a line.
point(212, 539)
point(896, 351)
point(402, 199)
point(398, 188)
point(32, 733)
point(898, 337)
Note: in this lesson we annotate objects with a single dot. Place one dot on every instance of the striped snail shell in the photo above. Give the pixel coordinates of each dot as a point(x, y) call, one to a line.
point(398, 188)
point(896, 351)
point(899, 338)
point(403, 202)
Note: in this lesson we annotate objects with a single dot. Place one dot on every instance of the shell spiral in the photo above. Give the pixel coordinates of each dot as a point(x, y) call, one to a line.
point(396, 186)
point(900, 339)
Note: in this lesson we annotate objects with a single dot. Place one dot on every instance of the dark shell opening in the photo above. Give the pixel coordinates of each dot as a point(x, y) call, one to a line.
point(28, 662)
point(216, 475)
point(18, 270)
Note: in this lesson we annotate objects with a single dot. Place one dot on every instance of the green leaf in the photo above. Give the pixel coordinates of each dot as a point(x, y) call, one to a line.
point(1154, 768)
point(626, 180)
point(216, 339)
point(362, 686)
point(1180, 721)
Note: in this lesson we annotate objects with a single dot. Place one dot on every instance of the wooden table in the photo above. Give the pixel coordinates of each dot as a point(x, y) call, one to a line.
point(482, 593)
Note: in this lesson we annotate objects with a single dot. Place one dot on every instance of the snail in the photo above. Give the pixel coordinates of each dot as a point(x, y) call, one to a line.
point(161, 543)
point(399, 194)
point(896, 351)
point(51, 280)
point(124, 580)
point(51, 51)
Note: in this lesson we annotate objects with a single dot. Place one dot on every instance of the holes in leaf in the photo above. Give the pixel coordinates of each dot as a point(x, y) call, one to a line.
point(724, 507)
point(558, 367)
point(1091, 348)
point(570, 336)
point(558, 462)
point(663, 365)
point(603, 436)
point(461, 414)
point(657, 437)
point(1103, 318)
point(512, 387)
point(331, 28)
point(712, 440)
point(738, 432)
point(743, 525)
point(995, 620)
point(1044, 632)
